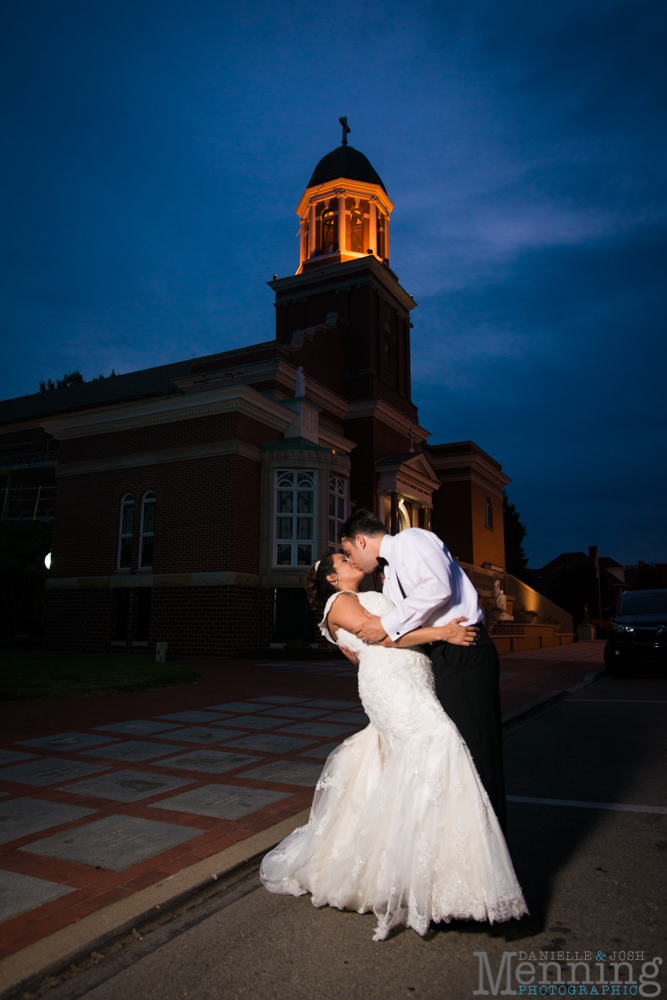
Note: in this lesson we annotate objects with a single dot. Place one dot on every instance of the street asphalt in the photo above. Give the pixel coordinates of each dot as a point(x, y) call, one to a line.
point(594, 879)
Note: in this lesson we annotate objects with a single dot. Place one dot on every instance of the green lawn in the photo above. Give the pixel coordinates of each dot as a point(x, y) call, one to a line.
point(42, 674)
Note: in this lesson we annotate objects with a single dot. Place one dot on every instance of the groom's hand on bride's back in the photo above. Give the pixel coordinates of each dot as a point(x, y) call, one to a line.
point(372, 630)
point(459, 635)
point(352, 657)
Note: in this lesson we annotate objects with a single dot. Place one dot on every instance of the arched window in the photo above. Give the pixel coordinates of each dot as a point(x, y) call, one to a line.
point(294, 517)
point(488, 513)
point(147, 531)
point(125, 532)
point(328, 219)
point(356, 231)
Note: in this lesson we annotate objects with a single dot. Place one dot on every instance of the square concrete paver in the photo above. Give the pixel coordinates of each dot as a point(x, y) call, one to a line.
point(134, 750)
point(289, 772)
point(269, 743)
point(333, 705)
point(358, 719)
point(67, 741)
point(127, 786)
point(253, 722)
point(321, 753)
point(221, 801)
point(201, 734)
point(235, 706)
point(23, 817)
point(195, 716)
point(316, 729)
point(49, 771)
point(278, 699)
point(11, 756)
point(19, 893)
point(294, 712)
point(114, 842)
point(210, 761)
point(138, 727)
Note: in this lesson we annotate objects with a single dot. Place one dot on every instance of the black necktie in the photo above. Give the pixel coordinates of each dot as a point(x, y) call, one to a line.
point(376, 574)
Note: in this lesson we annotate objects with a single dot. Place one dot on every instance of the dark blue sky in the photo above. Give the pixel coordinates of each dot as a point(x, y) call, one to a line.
point(155, 153)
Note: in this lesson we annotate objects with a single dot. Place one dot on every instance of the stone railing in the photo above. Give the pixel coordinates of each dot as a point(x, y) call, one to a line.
point(519, 595)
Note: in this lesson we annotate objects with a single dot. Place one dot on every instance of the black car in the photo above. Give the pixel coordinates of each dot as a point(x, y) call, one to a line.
point(638, 631)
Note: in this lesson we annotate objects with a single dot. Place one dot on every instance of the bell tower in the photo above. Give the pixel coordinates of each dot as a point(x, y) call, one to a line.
point(344, 210)
point(344, 316)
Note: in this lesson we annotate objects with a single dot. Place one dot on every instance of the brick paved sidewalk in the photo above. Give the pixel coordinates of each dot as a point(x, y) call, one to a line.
point(102, 797)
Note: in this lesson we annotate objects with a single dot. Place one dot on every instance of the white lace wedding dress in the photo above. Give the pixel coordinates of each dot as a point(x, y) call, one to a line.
point(400, 824)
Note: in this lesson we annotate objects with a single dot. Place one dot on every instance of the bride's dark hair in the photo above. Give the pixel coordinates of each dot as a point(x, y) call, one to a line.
point(318, 588)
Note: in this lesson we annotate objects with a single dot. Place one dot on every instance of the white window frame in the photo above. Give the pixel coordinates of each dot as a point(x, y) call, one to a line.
point(334, 493)
point(148, 498)
point(127, 501)
point(280, 485)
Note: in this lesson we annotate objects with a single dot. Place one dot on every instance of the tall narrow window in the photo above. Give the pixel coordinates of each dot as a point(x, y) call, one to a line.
point(389, 347)
point(294, 518)
point(147, 531)
point(122, 623)
point(305, 237)
point(125, 532)
point(380, 235)
point(327, 231)
point(143, 613)
point(356, 241)
point(337, 511)
point(488, 513)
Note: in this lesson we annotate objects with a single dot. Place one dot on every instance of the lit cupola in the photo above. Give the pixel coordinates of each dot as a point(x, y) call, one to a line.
point(344, 211)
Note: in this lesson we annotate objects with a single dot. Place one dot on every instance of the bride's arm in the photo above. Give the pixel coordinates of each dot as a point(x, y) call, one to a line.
point(452, 632)
point(346, 612)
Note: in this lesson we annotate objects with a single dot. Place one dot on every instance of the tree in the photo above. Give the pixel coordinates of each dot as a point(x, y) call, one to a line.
point(70, 378)
point(647, 576)
point(516, 560)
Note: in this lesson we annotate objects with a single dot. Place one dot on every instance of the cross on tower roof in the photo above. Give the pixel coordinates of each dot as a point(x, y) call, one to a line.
point(346, 129)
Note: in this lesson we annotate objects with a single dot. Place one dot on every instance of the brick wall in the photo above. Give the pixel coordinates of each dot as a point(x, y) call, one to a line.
point(207, 517)
point(195, 621)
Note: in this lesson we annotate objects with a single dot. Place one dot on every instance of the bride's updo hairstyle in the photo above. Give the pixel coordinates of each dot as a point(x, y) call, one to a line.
point(318, 588)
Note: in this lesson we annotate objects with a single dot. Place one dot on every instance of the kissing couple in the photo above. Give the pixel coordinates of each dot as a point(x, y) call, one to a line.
point(408, 814)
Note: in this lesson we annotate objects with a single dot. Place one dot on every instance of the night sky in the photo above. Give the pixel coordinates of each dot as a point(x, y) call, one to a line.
point(154, 154)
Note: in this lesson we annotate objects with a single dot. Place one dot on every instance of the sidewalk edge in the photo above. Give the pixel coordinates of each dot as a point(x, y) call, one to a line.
point(45, 957)
point(517, 713)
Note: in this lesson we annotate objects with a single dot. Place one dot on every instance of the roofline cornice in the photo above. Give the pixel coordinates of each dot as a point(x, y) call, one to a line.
point(350, 188)
point(383, 411)
point(169, 409)
point(473, 461)
point(341, 276)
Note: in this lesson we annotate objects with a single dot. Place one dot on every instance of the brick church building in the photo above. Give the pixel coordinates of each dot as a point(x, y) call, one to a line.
point(188, 499)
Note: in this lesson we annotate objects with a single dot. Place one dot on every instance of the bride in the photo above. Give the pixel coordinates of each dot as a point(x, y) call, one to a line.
point(400, 823)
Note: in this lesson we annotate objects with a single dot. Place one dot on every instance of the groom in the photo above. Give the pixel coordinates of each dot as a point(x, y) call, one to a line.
point(428, 587)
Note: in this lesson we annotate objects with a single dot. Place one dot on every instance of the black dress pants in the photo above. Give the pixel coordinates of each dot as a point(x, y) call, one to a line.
point(466, 683)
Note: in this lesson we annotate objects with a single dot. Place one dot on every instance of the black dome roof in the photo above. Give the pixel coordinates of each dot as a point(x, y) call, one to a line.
point(345, 161)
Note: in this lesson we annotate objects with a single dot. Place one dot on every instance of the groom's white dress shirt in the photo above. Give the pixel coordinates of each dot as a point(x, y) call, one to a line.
point(437, 589)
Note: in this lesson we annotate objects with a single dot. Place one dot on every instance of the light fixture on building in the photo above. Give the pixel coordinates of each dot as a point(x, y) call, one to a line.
point(47, 560)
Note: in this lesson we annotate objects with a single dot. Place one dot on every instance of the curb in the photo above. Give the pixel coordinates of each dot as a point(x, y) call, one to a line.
point(516, 714)
point(52, 954)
